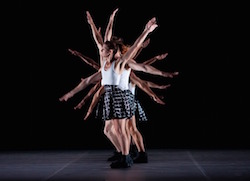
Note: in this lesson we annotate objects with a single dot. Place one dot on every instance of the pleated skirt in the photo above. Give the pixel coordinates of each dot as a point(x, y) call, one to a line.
point(115, 104)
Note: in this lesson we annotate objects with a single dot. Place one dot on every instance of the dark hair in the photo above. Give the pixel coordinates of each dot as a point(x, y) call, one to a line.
point(112, 46)
point(118, 41)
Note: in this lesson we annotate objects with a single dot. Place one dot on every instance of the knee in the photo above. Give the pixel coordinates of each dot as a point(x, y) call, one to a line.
point(132, 130)
point(106, 131)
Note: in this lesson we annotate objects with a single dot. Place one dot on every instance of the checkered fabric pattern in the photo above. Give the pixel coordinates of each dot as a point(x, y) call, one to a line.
point(115, 104)
point(139, 111)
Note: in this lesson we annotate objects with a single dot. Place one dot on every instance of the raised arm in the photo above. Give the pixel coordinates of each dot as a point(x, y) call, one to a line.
point(150, 26)
point(94, 78)
point(96, 33)
point(90, 93)
point(144, 45)
point(109, 29)
point(86, 59)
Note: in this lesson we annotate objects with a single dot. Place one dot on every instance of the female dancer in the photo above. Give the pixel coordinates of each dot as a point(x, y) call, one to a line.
point(107, 53)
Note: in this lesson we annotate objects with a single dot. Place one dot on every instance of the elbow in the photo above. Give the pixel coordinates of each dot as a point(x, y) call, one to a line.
point(145, 68)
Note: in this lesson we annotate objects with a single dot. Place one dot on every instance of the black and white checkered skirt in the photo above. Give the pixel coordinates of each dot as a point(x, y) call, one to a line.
point(139, 111)
point(115, 104)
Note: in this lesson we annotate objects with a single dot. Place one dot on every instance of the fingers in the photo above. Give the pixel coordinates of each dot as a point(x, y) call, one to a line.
point(151, 23)
point(115, 10)
point(153, 20)
point(63, 99)
point(164, 55)
point(71, 51)
point(166, 86)
point(86, 117)
point(78, 107)
point(160, 102)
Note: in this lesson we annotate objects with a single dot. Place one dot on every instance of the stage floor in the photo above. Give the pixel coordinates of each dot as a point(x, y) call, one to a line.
point(164, 164)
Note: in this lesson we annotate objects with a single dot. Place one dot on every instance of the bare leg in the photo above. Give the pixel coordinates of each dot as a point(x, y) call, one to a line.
point(110, 132)
point(136, 135)
point(130, 140)
point(125, 161)
point(120, 126)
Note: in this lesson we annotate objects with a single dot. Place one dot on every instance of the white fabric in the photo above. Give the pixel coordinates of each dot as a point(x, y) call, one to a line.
point(132, 88)
point(110, 77)
point(124, 80)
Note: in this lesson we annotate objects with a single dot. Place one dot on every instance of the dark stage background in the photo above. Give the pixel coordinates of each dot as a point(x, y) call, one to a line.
point(206, 104)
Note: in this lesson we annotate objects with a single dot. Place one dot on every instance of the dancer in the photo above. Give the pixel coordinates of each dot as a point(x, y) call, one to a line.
point(117, 106)
point(107, 56)
point(132, 126)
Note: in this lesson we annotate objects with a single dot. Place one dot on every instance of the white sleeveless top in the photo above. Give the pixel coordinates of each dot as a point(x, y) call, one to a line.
point(131, 88)
point(124, 80)
point(110, 77)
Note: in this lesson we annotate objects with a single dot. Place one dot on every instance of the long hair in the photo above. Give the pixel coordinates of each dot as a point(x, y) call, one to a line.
point(119, 43)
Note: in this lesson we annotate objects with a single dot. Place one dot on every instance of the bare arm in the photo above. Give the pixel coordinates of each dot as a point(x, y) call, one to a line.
point(90, 93)
point(144, 87)
point(150, 26)
point(82, 85)
point(96, 33)
point(95, 99)
point(150, 69)
point(152, 60)
point(157, 86)
point(86, 59)
point(109, 29)
point(144, 45)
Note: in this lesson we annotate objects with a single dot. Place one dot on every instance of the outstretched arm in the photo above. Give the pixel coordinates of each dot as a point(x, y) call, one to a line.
point(150, 69)
point(109, 29)
point(86, 59)
point(90, 93)
point(95, 100)
point(157, 86)
point(82, 85)
point(152, 60)
point(144, 87)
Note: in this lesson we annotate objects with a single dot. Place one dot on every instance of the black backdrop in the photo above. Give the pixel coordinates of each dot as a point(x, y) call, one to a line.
point(205, 105)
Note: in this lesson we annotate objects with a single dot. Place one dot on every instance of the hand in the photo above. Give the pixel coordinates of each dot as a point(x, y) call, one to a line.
point(79, 106)
point(159, 101)
point(89, 18)
point(161, 57)
point(65, 97)
point(87, 115)
point(74, 52)
point(113, 14)
point(151, 25)
point(170, 74)
point(164, 86)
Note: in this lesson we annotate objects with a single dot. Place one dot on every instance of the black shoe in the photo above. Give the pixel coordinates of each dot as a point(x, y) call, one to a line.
point(130, 160)
point(133, 151)
point(115, 157)
point(141, 158)
point(123, 162)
